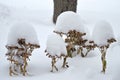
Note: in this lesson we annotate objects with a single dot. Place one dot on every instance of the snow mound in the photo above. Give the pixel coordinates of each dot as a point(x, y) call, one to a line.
point(56, 45)
point(102, 32)
point(69, 21)
point(4, 12)
point(22, 30)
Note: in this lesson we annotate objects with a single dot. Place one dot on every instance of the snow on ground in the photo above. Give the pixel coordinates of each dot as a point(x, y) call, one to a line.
point(39, 14)
point(4, 13)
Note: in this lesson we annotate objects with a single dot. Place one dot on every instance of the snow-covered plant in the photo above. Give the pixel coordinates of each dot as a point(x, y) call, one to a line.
point(103, 36)
point(70, 25)
point(56, 49)
point(22, 40)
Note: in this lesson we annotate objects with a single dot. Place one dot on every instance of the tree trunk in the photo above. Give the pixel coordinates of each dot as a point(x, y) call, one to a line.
point(63, 5)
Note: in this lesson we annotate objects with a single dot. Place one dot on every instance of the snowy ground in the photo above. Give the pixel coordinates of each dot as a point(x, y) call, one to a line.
point(39, 14)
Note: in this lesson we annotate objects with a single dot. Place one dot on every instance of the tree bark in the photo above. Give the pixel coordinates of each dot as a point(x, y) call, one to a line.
point(62, 6)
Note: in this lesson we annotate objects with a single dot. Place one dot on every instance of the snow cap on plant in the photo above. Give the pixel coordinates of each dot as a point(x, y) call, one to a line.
point(102, 32)
point(22, 30)
point(22, 40)
point(69, 21)
point(56, 45)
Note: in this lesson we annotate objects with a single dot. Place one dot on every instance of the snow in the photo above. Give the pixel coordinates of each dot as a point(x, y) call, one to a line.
point(39, 14)
point(118, 39)
point(95, 5)
point(102, 32)
point(56, 45)
point(4, 13)
point(87, 31)
point(69, 21)
point(28, 4)
point(24, 31)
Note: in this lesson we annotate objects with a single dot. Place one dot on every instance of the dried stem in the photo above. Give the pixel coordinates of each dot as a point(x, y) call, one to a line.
point(19, 53)
point(11, 71)
point(103, 50)
point(53, 64)
point(103, 58)
point(65, 63)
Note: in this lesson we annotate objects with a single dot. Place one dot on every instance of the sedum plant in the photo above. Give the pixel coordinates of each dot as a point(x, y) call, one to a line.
point(70, 27)
point(22, 41)
point(103, 36)
point(55, 50)
point(103, 50)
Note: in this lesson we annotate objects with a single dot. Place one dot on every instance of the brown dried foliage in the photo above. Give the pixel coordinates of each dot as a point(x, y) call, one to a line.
point(22, 52)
